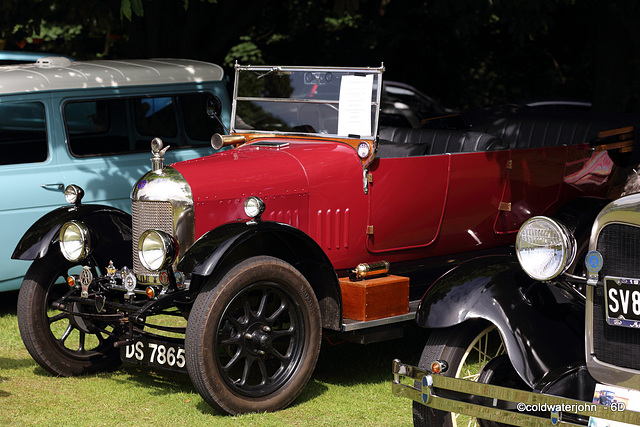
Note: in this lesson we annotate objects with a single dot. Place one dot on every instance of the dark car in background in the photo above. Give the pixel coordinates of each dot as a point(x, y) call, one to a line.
point(405, 106)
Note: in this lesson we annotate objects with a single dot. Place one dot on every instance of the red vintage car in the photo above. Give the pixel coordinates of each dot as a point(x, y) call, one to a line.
point(316, 217)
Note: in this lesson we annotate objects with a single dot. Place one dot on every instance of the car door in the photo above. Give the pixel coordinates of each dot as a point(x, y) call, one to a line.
point(31, 181)
point(444, 203)
point(407, 201)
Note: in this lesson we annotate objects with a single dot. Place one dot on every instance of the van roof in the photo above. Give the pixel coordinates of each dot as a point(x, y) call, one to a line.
point(59, 73)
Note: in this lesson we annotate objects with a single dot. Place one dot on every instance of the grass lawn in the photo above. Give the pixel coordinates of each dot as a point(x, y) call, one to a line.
point(351, 386)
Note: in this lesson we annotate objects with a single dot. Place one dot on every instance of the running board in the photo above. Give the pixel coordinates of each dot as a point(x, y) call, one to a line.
point(354, 325)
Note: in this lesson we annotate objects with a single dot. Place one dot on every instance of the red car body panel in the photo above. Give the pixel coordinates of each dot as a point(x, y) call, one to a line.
point(416, 207)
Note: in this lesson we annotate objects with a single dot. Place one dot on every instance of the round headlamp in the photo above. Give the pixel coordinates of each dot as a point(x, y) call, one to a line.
point(73, 194)
point(253, 206)
point(74, 241)
point(545, 248)
point(156, 249)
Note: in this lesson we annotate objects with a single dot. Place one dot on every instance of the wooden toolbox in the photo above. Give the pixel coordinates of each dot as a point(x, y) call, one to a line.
point(375, 298)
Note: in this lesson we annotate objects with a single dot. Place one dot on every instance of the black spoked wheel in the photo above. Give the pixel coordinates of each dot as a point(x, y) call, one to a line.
point(253, 340)
point(468, 349)
point(61, 343)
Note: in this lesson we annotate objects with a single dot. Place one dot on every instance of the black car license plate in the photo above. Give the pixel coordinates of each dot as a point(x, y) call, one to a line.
point(622, 301)
point(158, 354)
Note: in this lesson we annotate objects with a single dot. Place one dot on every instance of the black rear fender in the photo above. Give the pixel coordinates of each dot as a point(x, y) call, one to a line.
point(218, 250)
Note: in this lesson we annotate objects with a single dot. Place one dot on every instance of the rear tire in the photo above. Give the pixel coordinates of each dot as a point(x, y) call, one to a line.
point(253, 337)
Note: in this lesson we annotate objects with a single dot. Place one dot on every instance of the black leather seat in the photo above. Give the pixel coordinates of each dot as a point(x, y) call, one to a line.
point(406, 142)
point(534, 132)
point(525, 127)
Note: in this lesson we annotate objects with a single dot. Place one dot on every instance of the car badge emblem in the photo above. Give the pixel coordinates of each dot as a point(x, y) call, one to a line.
point(141, 184)
point(164, 278)
point(111, 270)
point(85, 280)
point(593, 261)
point(179, 279)
point(427, 388)
point(130, 283)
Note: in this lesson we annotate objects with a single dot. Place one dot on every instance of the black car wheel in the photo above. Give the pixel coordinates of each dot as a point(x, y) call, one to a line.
point(253, 337)
point(468, 349)
point(61, 343)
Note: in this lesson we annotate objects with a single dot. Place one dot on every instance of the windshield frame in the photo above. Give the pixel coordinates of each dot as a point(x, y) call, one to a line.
point(265, 71)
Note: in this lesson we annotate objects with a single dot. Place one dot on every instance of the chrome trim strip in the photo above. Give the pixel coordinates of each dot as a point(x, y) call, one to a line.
point(432, 383)
point(291, 100)
point(282, 68)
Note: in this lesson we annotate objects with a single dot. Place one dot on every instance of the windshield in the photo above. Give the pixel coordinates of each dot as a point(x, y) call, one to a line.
point(329, 101)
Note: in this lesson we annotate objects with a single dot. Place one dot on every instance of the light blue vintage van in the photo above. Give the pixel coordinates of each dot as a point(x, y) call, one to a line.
point(91, 123)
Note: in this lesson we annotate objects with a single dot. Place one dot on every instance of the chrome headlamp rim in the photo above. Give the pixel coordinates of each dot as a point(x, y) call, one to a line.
point(254, 206)
point(73, 194)
point(156, 249)
point(74, 240)
point(545, 248)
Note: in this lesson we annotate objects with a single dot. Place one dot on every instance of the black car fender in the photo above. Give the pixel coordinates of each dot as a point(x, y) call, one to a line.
point(219, 249)
point(541, 324)
point(110, 230)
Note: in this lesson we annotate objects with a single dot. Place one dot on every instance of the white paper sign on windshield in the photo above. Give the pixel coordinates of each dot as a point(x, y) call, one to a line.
point(354, 107)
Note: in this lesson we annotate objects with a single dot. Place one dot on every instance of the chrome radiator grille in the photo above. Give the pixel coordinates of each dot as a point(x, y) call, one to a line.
point(147, 215)
point(619, 245)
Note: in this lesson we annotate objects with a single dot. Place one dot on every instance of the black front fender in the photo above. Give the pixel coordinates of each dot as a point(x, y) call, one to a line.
point(110, 230)
point(221, 248)
point(542, 325)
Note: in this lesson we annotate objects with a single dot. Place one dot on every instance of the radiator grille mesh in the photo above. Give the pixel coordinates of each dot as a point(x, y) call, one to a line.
point(147, 215)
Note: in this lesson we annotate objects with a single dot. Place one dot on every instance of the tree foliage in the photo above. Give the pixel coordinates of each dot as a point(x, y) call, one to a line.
point(466, 53)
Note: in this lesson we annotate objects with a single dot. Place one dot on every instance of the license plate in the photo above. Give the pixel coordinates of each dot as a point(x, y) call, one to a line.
point(158, 354)
point(622, 301)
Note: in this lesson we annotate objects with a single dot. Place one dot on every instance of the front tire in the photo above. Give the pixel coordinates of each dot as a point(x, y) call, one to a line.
point(468, 349)
point(62, 344)
point(253, 337)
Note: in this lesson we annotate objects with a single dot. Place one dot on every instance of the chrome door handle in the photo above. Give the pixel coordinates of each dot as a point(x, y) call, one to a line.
point(56, 187)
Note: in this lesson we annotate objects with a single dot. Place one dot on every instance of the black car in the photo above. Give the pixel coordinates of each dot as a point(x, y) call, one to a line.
point(549, 334)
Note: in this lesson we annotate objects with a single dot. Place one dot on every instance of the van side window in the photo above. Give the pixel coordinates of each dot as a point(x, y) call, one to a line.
point(97, 127)
point(155, 117)
point(124, 125)
point(23, 135)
